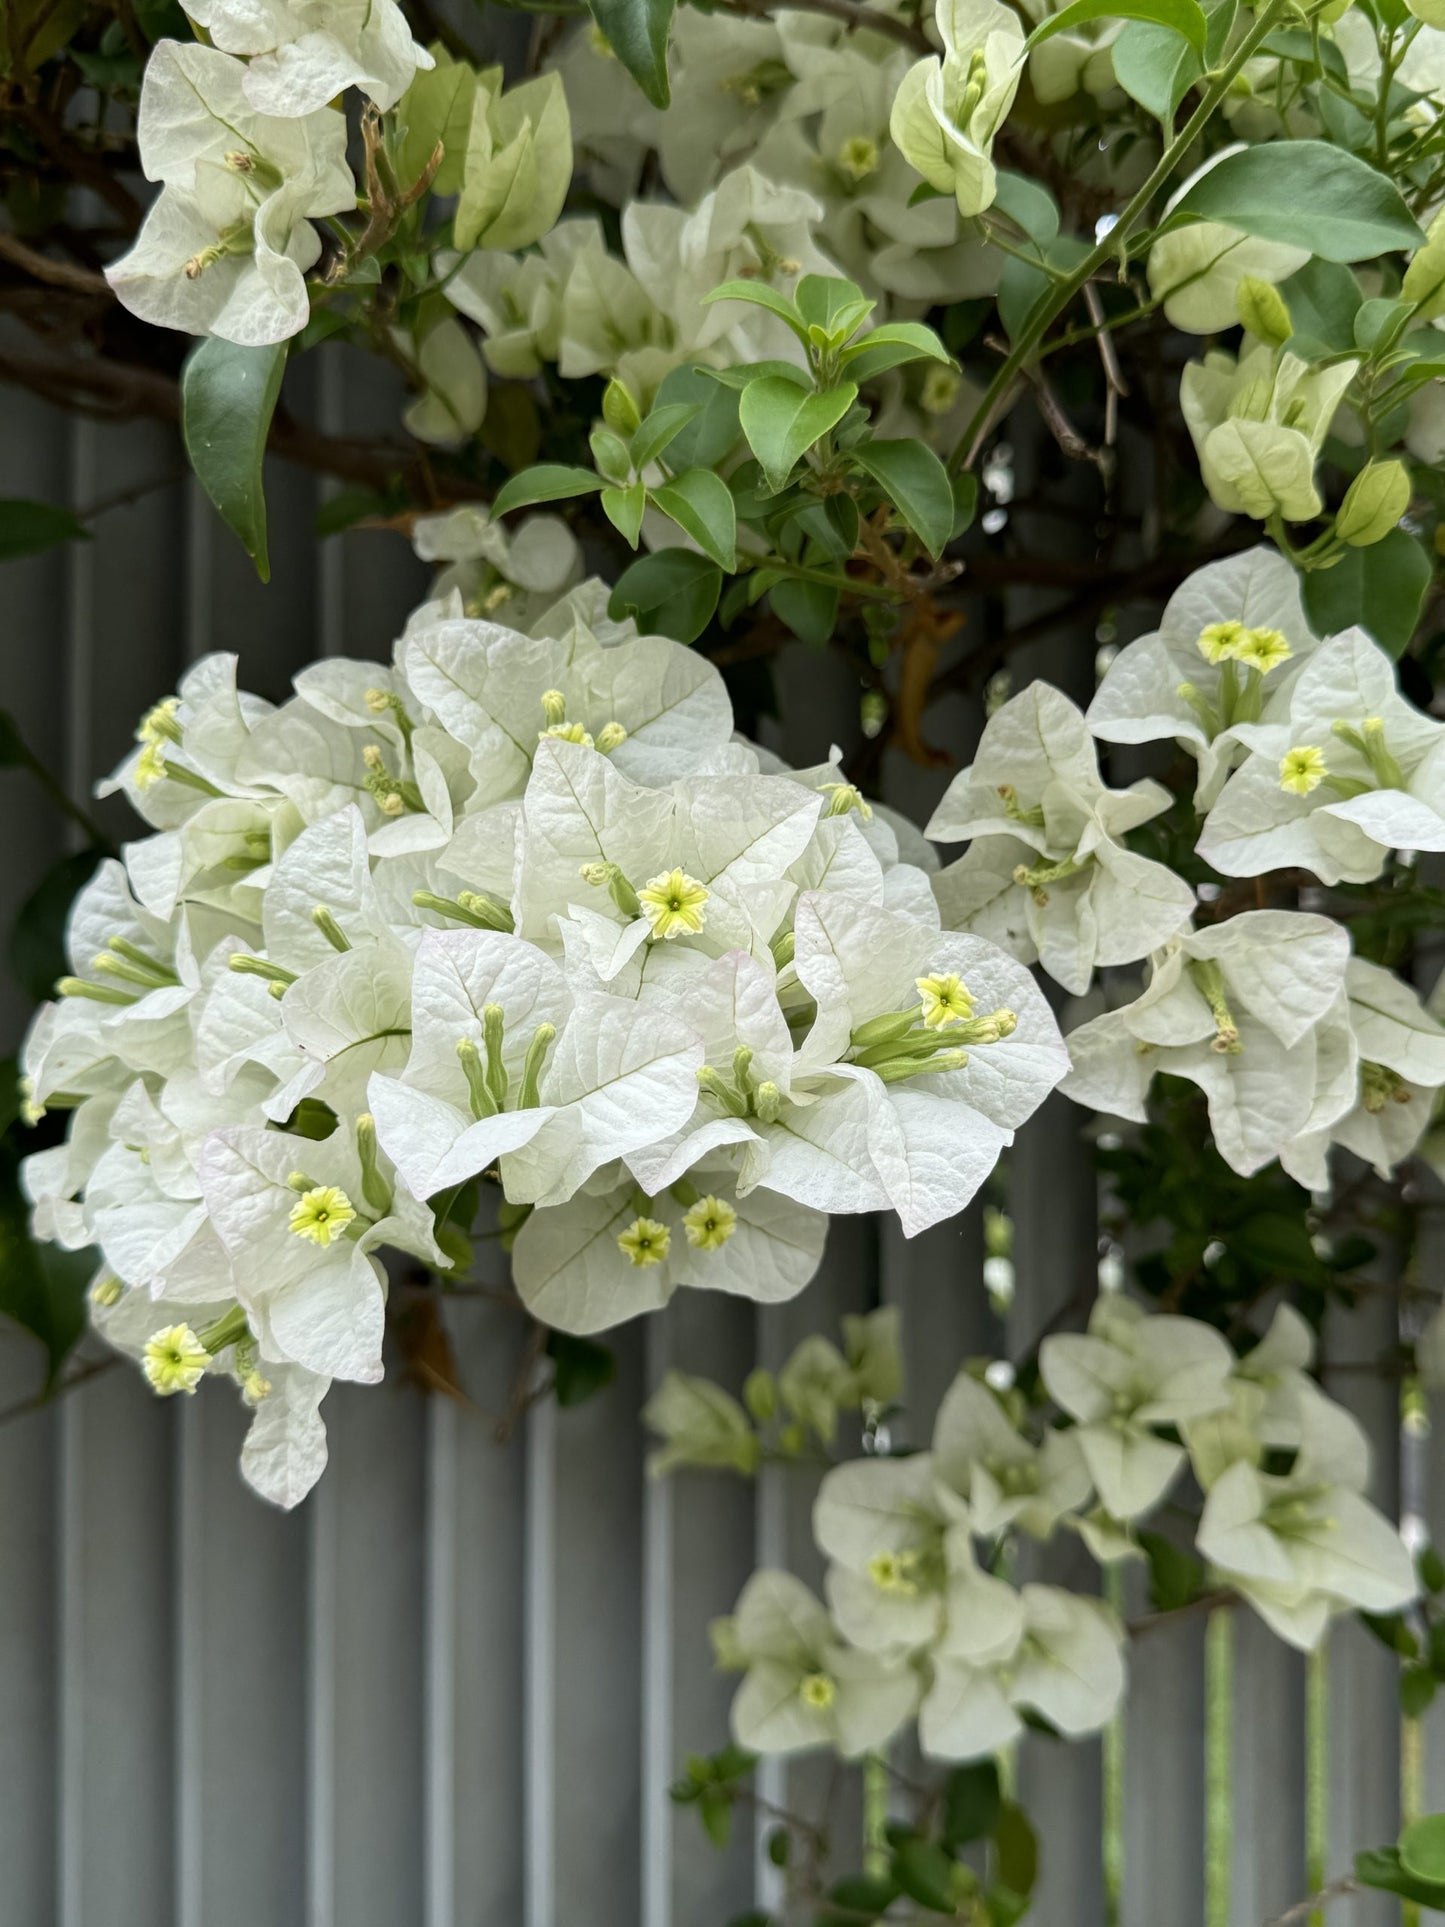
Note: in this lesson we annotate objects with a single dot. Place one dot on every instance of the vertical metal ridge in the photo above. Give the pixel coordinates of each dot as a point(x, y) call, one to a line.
point(539, 1660)
point(321, 1708)
point(440, 1713)
point(657, 1663)
point(190, 1770)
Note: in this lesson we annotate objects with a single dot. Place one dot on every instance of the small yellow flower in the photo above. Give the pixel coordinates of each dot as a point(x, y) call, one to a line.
point(817, 1691)
point(1262, 649)
point(709, 1223)
point(858, 157)
point(645, 1242)
point(567, 733)
point(1219, 640)
point(673, 904)
point(945, 1001)
point(321, 1214)
point(843, 797)
point(890, 1571)
point(175, 1360)
point(1302, 769)
point(940, 389)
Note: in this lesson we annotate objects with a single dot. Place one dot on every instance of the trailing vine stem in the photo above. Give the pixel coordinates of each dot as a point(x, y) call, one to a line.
point(1110, 245)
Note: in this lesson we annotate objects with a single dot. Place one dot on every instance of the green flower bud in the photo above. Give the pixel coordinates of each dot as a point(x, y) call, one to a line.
point(1263, 310)
point(619, 410)
point(760, 1395)
point(1373, 504)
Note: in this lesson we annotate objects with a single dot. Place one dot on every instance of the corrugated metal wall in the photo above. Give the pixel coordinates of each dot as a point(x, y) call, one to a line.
point(452, 1688)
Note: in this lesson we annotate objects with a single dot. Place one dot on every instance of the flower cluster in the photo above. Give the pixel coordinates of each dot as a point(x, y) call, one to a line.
point(921, 1619)
point(517, 908)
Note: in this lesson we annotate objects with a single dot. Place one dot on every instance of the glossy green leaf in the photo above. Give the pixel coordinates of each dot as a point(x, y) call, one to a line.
point(890, 346)
point(661, 429)
point(1155, 67)
point(1381, 587)
point(623, 508)
point(228, 396)
point(833, 306)
point(582, 1367)
point(1307, 193)
point(1382, 1868)
point(781, 422)
point(637, 32)
point(713, 432)
point(761, 296)
point(1028, 205)
point(1016, 1846)
point(1323, 298)
point(30, 528)
point(1422, 1848)
point(547, 482)
point(42, 1288)
point(1183, 17)
point(972, 1803)
point(701, 504)
point(916, 482)
point(808, 609)
point(672, 593)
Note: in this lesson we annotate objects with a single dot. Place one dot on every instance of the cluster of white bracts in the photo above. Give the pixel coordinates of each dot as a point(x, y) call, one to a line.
point(519, 908)
point(249, 152)
point(918, 1620)
point(1310, 760)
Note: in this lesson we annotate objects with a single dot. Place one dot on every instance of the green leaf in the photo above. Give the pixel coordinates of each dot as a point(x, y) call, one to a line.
point(661, 428)
point(761, 296)
point(831, 305)
point(41, 1287)
point(965, 503)
point(972, 1803)
point(781, 422)
point(547, 482)
point(1381, 1867)
point(809, 609)
point(610, 453)
point(1029, 206)
point(1175, 1576)
point(916, 482)
point(623, 508)
point(1323, 298)
point(1422, 1848)
point(1017, 1848)
point(1184, 17)
point(582, 1367)
point(1307, 193)
point(37, 937)
point(1155, 67)
point(739, 378)
point(30, 528)
point(672, 593)
point(228, 396)
point(923, 1871)
point(636, 31)
point(890, 346)
point(701, 504)
point(1297, 44)
point(713, 432)
point(863, 1893)
point(1417, 1690)
point(436, 107)
point(1382, 588)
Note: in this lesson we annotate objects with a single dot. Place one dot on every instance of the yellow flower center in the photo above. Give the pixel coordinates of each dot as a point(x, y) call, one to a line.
point(321, 1214)
point(673, 904)
point(709, 1223)
point(945, 1001)
point(645, 1242)
point(858, 158)
point(1220, 640)
point(1302, 769)
point(890, 1572)
point(175, 1360)
point(818, 1691)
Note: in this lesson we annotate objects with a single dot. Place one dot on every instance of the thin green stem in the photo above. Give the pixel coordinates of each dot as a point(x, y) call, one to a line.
point(25, 756)
point(1112, 243)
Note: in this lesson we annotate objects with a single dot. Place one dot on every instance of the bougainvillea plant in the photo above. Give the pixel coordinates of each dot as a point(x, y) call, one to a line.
point(715, 334)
